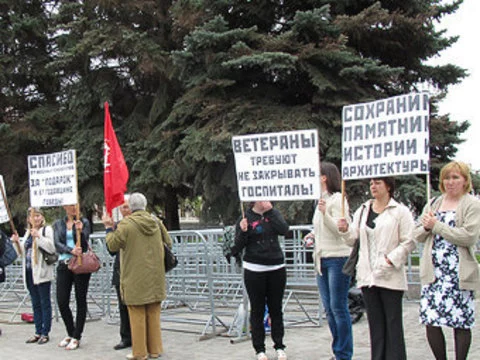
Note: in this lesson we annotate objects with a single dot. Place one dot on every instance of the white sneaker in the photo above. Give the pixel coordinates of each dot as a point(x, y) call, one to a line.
point(262, 356)
point(73, 344)
point(281, 354)
point(64, 342)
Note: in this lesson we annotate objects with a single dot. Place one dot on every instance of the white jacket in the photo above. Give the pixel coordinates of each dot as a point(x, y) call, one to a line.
point(41, 271)
point(328, 239)
point(394, 238)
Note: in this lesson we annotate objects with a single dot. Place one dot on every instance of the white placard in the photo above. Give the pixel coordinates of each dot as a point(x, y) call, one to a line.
point(3, 208)
point(53, 179)
point(277, 166)
point(387, 137)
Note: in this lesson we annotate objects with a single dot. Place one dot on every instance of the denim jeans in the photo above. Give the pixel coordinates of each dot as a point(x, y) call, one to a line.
point(333, 285)
point(41, 304)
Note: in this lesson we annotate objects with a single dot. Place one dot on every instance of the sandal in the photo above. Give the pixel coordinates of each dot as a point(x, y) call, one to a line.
point(43, 340)
point(65, 342)
point(33, 339)
point(73, 344)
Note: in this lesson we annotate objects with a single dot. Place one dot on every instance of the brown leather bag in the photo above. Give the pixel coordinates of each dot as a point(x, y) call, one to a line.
point(90, 263)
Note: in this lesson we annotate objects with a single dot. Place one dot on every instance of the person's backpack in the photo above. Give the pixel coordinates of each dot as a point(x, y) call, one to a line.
point(228, 243)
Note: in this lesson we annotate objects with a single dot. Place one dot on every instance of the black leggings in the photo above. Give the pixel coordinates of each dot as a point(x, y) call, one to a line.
point(65, 281)
point(266, 288)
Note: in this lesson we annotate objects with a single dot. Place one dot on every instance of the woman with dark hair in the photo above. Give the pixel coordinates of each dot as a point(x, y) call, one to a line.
point(65, 242)
point(37, 274)
point(449, 273)
point(385, 229)
point(330, 254)
point(264, 272)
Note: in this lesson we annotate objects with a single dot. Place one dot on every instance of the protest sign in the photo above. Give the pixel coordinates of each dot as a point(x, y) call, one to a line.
point(387, 137)
point(53, 179)
point(3, 206)
point(277, 166)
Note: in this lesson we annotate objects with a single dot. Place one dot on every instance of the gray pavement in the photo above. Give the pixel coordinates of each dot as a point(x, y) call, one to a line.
point(303, 342)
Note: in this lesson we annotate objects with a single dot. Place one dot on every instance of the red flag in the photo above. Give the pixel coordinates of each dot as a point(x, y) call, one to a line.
point(115, 175)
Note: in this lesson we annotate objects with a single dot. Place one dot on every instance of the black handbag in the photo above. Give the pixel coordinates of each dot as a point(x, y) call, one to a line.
point(171, 260)
point(350, 266)
point(49, 258)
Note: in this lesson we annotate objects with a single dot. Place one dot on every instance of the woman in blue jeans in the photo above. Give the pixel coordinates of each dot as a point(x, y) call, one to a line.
point(330, 254)
point(37, 274)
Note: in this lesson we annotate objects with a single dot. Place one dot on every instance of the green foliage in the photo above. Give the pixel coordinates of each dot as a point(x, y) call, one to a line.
point(183, 77)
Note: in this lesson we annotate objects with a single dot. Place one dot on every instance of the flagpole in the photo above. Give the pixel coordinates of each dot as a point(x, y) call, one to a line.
point(428, 192)
point(79, 234)
point(77, 214)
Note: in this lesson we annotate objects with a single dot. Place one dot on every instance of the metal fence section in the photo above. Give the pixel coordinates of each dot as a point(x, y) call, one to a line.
point(205, 291)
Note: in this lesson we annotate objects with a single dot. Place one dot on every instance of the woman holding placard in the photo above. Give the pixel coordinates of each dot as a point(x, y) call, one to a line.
point(37, 274)
point(385, 230)
point(450, 228)
point(67, 245)
point(264, 272)
point(330, 254)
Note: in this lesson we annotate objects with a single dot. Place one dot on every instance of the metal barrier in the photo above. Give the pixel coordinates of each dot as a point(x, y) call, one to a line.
point(203, 290)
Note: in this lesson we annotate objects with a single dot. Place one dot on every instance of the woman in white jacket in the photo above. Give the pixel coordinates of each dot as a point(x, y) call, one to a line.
point(385, 229)
point(330, 254)
point(37, 275)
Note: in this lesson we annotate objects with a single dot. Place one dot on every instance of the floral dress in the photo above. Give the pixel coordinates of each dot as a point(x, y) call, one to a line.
point(442, 302)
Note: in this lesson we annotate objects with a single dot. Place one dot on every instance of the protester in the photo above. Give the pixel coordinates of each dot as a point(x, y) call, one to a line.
point(65, 231)
point(37, 274)
point(142, 274)
point(264, 272)
point(386, 238)
point(449, 273)
point(125, 332)
point(330, 254)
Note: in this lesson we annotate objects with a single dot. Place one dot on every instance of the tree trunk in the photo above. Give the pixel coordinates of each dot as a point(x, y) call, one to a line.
point(172, 220)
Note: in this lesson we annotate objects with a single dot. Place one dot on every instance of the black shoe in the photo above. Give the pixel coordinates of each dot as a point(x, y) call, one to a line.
point(122, 345)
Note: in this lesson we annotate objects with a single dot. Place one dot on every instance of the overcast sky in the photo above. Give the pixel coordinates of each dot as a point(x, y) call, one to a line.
point(463, 99)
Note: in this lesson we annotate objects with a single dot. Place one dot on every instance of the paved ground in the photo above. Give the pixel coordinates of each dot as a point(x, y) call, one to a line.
point(304, 343)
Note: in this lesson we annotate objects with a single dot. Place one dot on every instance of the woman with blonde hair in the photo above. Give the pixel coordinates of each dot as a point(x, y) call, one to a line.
point(449, 229)
point(37, 274)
